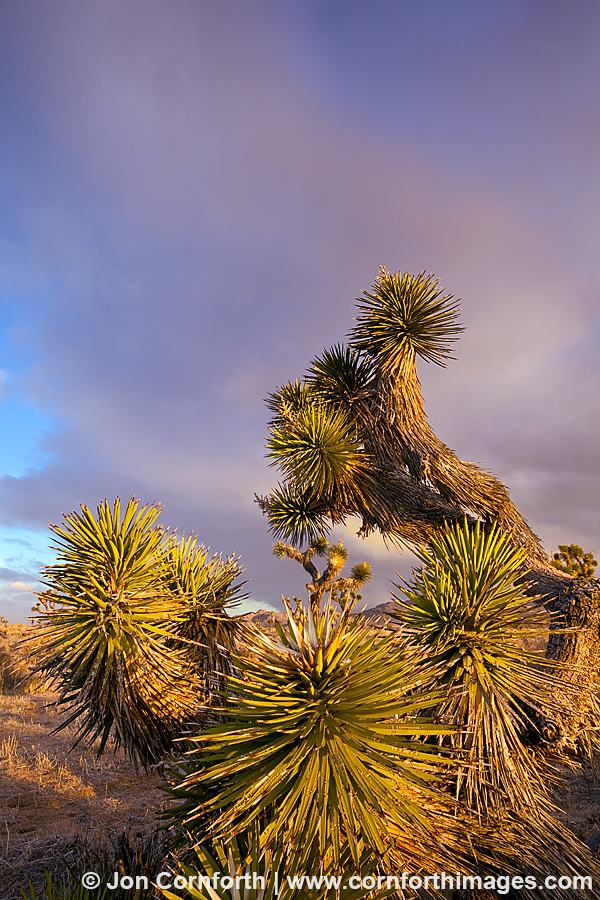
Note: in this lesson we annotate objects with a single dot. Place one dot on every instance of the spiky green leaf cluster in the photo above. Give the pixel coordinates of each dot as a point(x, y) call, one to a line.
point(206, 589)
point(571, 558)
point(320, 545)
point(288, 401)
point(296, 515)
point(115, 615)
point(319, 748)
point(257, 873)
point(337, 555)
point(240, 859)
point(315, 439)
point(403, 315)
point(361, 573)
point(107, 554)
point(342, 379)
point(325, 431)
point(318, 448)
point(466, 608)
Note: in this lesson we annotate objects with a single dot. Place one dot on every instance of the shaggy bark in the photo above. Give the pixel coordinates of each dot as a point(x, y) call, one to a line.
point(407, 483)
point(419, 482)
point(575, 645)
point(401, 441)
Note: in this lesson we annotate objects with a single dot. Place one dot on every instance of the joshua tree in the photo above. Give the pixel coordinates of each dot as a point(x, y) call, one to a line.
point(341, 589)
point(205, 588)
point(309, 750)
point(574, 560)
point(134, 630)
point(352, 439)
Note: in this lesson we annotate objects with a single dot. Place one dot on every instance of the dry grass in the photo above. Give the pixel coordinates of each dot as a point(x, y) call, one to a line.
point(56, 805)
point(16, 674)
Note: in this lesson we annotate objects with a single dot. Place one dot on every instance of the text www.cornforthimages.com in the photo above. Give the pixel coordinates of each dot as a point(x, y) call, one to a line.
point(502, 884)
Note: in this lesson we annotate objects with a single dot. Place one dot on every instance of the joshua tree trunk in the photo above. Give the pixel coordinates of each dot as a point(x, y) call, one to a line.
point(401, 441)
point(420, 483)
point(576, 646)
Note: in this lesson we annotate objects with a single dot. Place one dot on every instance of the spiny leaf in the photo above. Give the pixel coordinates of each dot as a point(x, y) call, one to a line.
point(109, 631)
point(341, 703)
point(405, 314)
point(361, 573)
point(318, 450)
point(342, 378)
point(467, 610)
point(299, 516)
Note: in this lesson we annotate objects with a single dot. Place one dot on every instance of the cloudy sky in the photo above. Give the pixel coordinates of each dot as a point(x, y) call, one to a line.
point(194, 192)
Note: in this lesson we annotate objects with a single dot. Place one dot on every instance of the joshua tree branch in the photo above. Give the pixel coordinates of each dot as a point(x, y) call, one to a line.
point(305, 559)
point(342, 585)
point(329, 580)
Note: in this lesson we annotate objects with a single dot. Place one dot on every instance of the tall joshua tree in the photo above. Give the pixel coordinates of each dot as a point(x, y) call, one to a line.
point(352, 439)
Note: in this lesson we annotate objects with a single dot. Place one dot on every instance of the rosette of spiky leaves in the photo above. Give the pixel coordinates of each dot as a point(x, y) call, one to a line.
point(288, 401)
point(342, 378)
point(317, 447)
point(206, 589)
point(337, 557)
point(319, 743)
point(296, 515)
point(247, 872)
point(319, 450)
point(466, 608)
point(106, 620)
point(239, 869)
point(405, 315)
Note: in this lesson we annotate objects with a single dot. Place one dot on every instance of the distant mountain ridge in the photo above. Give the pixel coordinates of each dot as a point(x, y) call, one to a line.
point(265, 617)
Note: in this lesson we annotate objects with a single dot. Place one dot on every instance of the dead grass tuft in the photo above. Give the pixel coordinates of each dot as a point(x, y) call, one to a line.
point(16, 665)
point(54, 802)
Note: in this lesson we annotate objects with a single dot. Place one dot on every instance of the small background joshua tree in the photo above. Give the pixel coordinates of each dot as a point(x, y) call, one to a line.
point(340, 589)
point(572, 559)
